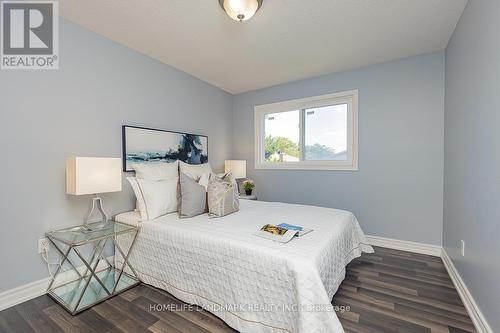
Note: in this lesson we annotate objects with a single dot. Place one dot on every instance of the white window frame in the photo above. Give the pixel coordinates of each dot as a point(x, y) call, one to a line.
point(346, 97)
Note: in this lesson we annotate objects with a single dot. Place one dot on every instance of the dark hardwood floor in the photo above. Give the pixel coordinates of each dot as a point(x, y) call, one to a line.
point(389, 291)
point(394, 291)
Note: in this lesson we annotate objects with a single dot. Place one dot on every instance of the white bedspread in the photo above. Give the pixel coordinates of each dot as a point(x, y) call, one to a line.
point(254, 284)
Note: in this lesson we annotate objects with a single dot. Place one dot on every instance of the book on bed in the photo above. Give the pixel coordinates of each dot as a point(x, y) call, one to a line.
point(301, 231)
point(282, 233)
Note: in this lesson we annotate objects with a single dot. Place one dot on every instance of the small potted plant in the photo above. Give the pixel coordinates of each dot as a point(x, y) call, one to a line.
point(248, 185)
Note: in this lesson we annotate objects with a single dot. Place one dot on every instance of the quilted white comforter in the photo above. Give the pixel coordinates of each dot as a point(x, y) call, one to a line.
point(254, 284)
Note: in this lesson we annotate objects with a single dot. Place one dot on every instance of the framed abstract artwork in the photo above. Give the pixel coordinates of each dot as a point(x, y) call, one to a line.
point(149, 145)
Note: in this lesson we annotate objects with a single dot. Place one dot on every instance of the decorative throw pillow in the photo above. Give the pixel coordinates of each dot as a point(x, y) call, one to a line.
point(195, 171)
point(155, 198)
point(156, 171)
point(191, 197)
point(203, 181)
point(223, 198)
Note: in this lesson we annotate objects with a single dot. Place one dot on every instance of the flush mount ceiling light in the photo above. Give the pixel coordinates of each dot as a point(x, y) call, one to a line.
point(240, 10)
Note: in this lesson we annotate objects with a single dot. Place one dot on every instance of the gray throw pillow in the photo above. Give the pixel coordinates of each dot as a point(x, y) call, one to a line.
point(191, 197)
point(223, 198)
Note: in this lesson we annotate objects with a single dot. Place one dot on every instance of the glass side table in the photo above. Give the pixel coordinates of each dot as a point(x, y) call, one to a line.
point(92, 278)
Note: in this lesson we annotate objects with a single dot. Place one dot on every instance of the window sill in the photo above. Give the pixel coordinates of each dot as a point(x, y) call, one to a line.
point(307, 166)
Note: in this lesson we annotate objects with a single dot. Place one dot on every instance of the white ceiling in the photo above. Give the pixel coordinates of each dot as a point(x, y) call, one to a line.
point(286, 40)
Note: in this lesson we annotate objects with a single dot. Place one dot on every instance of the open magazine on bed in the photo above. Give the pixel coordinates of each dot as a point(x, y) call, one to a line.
point(282, 233)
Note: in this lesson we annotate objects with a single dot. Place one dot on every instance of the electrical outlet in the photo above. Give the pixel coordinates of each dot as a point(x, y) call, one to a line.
point(462, 247)
point(43, 245)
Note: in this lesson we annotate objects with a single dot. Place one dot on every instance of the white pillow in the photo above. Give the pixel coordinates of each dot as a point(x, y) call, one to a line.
point(155, 198)
point(195, 171)
point(156, 171)
point(139, 202)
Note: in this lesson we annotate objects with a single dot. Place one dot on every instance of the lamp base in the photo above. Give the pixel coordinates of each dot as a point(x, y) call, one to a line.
point(99, 224)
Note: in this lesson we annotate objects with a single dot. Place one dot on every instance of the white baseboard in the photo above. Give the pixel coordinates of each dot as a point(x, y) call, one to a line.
point(396, 244)
point(470, 304)
point(32, 290)
point(23, 293)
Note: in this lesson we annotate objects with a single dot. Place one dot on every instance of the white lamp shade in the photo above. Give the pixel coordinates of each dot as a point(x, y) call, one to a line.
point(237, 167)
point(92, 175)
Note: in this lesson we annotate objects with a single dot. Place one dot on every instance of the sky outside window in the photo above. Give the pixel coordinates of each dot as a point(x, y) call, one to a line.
point(283, 124)
point(326, 133)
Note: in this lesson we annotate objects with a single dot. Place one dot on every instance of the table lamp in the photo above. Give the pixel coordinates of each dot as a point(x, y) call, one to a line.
point(93, 175)
point(237, 167)
point(239, 170)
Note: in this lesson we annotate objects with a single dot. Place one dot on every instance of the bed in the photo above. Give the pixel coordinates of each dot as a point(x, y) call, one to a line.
point(253, 284)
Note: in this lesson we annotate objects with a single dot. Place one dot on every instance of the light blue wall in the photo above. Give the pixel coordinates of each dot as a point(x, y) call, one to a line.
point(398, 190)
point(472, 154)
point(46, 116)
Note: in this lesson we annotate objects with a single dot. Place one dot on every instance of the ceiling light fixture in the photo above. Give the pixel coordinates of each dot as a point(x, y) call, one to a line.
point(240, 10)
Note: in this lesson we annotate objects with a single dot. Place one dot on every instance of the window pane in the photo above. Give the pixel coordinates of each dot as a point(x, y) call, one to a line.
point(282, 136)
point(326, 133)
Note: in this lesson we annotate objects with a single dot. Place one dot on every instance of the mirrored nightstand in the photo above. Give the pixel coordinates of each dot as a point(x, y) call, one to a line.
point(92, 277)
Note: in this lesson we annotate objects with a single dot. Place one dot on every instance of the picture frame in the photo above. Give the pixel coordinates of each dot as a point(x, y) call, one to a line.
point(151, 145)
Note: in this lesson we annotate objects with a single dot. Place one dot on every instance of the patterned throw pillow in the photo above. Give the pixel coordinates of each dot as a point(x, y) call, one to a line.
point(222, 195)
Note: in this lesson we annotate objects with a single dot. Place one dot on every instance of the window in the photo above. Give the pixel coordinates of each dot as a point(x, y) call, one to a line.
point(316, 133)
